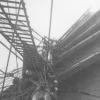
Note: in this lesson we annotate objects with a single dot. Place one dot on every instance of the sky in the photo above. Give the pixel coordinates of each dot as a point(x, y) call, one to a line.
point(65, 14)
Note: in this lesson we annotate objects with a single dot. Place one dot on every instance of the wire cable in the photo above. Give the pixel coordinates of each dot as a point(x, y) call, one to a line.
point(50, 22)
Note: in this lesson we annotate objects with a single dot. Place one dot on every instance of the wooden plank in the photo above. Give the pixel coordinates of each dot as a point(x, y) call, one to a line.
point(11, 7)
point(14, 24)
point(12, 14)
point(9, 1)
point(12, 19)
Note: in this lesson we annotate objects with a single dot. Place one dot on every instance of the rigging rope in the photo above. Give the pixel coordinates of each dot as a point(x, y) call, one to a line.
point(8, 58)
point(3, 85)
point(8, 9)
point(50, 22)
point(51, 11)
point(17, 12)
point(7, 65)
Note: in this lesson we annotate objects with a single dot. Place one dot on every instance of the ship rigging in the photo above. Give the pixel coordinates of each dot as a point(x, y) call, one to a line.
point(62, 69)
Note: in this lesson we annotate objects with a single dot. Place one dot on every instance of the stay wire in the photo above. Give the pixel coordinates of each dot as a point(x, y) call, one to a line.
point(8, 8)
point(17, 12)
point(50, 22)
point(7, 66)
point(16, 37)
point(8, 60)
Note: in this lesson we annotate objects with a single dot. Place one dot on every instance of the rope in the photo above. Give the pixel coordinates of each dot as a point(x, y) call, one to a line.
point(7, 65)
point(17, 12)
point(8, 8)
point(51, 11)
point(8, 57)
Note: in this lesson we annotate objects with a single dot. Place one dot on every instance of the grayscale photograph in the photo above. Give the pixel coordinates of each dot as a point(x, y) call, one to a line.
point(49, 49)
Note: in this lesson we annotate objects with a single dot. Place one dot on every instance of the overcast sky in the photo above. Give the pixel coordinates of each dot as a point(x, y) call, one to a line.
point(65, 13)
